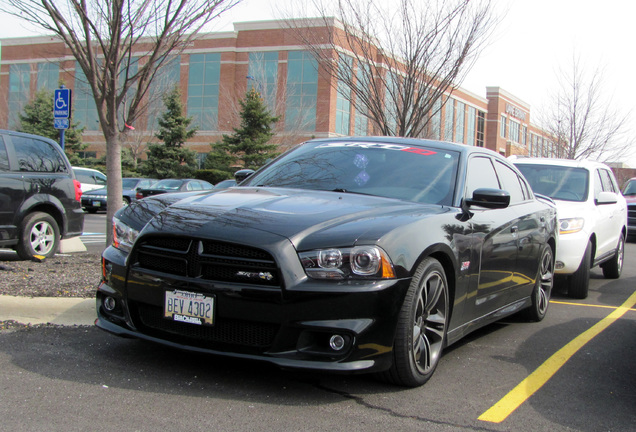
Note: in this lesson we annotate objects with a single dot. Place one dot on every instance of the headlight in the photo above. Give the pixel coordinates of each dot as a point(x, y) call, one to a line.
point(572, 225)
point(123, 235)
point(361, 262)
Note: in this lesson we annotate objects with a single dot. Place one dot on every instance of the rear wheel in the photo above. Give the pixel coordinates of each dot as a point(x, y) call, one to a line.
point(543, 286)
point(422, 326)
point(613, 268)
point(580, 280)
point(39, 237)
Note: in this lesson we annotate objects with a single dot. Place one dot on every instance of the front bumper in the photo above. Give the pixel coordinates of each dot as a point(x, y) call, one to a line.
point(290, 327)
point(570, 251)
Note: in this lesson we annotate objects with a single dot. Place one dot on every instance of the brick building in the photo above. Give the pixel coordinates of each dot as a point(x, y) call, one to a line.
point(218, 68)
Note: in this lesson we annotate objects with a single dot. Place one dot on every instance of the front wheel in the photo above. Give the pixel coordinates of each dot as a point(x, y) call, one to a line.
point(543, 286)
point(613, 268)
point(39, 237)
point(580, 279)
point(422, 326)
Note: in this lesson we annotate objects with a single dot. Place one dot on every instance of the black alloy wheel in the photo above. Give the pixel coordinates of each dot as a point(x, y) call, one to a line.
point(543, 286)
point(422, 326)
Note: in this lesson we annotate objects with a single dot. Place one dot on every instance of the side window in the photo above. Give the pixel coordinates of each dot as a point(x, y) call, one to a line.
point(100, 179)
point(37, 156)
point(608, 184)
point(4, 157)
point(598, 184)
point(84, 177)
point(480, 174)
point(510, 181)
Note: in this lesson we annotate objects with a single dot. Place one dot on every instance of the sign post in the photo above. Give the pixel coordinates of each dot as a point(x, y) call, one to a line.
point(61, 111)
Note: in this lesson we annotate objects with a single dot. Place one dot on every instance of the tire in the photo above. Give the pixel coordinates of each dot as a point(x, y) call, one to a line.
point(39, 237)
point(580, 279)
point(613, 268)
point(421, 328)
point(543, 286)
point(126, 201)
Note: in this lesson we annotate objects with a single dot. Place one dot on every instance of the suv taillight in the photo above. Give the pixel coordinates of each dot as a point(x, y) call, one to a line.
point(78, 190)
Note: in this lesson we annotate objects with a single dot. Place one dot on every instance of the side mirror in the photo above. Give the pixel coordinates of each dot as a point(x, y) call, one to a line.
point(489, 198)
point(606, 198)
point(241, 175)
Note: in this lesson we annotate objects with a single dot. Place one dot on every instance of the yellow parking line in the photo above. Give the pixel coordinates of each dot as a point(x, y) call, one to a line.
point(587, 305)
point(502, 409)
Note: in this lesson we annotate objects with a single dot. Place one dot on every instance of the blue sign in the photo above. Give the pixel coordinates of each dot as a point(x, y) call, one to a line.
point(61, 123)
point(62, 103)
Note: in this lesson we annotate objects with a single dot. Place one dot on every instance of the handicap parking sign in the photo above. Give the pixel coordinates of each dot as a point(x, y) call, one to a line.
point(62, 103)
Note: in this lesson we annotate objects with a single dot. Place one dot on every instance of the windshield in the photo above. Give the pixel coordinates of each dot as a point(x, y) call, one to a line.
point(168, 184)
point(630, 188)
point(557, 182)
point(418, 174)
point(129, 183)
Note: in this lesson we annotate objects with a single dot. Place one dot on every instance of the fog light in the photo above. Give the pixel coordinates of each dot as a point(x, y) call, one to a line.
point(336, 342)
point(109, 304)
point(559, 265)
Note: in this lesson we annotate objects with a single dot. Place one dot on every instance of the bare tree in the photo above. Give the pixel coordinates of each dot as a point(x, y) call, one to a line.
point(584, 123)
point(106, 38)
point(396, 59)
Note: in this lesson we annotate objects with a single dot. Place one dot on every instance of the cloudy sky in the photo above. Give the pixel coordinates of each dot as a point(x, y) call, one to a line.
point(535, 39)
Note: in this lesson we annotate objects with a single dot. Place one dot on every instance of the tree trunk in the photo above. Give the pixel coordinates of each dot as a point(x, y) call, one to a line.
point(113, 171)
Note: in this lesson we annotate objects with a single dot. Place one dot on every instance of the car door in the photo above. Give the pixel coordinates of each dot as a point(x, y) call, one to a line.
point(11, 195)
point(610, 216)
point(529, 227)
point(494, 231)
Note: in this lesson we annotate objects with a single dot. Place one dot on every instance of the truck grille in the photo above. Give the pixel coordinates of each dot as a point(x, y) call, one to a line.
point(206, 259)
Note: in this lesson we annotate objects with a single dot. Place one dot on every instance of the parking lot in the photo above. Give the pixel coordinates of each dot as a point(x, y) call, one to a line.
point(572, 371)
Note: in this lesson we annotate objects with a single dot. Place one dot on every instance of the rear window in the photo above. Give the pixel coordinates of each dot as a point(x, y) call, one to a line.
point(37, 156)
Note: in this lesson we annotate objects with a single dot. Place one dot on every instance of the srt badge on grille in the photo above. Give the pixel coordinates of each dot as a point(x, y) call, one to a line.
point(254, 275)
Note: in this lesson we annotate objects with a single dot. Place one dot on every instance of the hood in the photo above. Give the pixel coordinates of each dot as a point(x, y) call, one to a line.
point(307, 218)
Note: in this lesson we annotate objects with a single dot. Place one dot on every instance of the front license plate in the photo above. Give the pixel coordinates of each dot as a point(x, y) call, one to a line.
point(189, 307)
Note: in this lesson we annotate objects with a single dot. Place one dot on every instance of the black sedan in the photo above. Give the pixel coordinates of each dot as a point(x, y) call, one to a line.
point(174, 185)
point(95, 200)
point(348, 254)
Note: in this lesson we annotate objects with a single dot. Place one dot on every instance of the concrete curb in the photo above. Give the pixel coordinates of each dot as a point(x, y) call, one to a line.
point(42, 310)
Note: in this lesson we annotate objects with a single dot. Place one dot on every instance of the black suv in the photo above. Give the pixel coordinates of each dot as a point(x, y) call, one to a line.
point(39, 194)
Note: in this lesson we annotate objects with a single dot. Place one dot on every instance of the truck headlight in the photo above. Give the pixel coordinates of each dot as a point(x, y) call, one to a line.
point(123, 235)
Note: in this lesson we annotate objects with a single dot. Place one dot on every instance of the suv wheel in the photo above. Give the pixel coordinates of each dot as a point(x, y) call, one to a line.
point(40, 237)
point(580, 279)
point(612, 269)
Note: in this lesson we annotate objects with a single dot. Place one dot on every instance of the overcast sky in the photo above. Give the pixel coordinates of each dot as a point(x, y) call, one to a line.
point(535, 39)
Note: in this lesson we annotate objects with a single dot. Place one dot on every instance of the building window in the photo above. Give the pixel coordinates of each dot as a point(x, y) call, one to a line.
point(503, 126)
point(514, 131)
point(470, 126)
point(460, 110)
point(524, 134)
point(343, 100)
point(448, 119)
point(481, 128)
point(361, 126)
point(302, 92)
point(435, 128)
point(84, 108)
point(168, 76)
point(203, 90)
point(262, 75)
point(19, 84)
point(48, 76)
